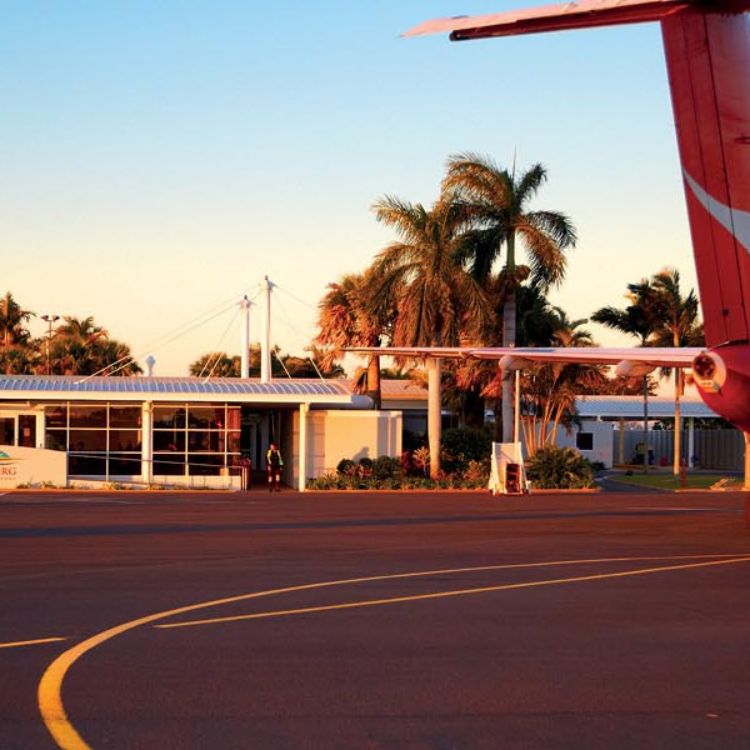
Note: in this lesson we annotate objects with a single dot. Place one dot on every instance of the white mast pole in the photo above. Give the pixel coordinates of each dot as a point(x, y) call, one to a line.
point(265, 343)
point(245, 338)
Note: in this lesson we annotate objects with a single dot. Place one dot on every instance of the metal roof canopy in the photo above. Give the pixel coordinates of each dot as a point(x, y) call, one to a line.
point(239, 390)
point(631, 407)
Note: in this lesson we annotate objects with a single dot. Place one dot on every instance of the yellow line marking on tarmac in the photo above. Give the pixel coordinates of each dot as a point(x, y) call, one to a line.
point(49, 692)
point(36, 641)
point(445, 594)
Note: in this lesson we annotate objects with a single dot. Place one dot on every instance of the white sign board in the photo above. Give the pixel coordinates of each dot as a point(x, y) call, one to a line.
point(32, 466)
point(502, 455)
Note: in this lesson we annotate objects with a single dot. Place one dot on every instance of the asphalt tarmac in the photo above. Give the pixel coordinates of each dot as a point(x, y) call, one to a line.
point(422, 620)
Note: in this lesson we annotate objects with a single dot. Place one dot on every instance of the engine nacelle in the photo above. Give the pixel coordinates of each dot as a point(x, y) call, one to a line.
point(709, 372)
point(509, 363)
point(630, 369)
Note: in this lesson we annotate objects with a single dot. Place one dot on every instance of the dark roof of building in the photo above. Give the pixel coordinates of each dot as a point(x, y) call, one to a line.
point(172, 388)
point(631, 407)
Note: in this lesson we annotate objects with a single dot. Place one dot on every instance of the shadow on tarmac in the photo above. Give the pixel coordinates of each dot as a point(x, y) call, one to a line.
point(140, 530)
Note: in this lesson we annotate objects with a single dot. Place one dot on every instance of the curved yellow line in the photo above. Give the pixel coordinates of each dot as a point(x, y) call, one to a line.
point(49, 693)
point(444, 594)
point(34, 642)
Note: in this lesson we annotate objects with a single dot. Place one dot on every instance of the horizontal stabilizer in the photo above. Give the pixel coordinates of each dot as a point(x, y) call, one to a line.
point(573, 15)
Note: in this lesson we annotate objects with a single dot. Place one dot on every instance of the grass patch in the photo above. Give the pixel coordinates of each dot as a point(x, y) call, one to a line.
point(671, 482)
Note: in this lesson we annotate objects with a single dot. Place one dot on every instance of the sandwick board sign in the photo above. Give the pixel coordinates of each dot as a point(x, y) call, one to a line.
point(507, 474)
point(32, 466)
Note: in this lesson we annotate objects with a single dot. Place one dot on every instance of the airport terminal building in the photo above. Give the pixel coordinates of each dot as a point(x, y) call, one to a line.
point(181, 430)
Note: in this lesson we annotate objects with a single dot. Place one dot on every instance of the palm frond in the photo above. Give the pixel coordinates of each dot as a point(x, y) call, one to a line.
point(529, 183)
point(556, 225)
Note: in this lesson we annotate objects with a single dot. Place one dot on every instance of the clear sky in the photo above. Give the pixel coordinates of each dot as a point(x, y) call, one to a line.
point(158, 159)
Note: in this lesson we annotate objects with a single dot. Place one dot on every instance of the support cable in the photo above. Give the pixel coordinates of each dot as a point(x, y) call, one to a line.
point(218, 347)
point(168, 337)
point(300, 340)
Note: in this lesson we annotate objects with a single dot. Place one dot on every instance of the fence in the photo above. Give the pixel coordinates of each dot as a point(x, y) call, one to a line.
point(722, 450)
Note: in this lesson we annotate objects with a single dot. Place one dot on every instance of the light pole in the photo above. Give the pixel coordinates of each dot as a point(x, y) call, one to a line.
point(49, 320)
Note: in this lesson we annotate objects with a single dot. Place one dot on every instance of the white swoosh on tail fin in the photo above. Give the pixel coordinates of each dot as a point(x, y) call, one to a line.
point(735, 221)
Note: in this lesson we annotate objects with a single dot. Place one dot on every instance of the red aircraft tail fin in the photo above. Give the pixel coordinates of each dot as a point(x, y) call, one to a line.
point(707, 45)
point(708, 60)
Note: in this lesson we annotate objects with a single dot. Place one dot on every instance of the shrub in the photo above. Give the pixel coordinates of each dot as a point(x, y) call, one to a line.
point(329, 481)
point(421, 459)
point(460, 445)
point(345, 466)
point(386, 473)
point(477, 473)
point(559, 468)
point(385, 467)
point(407, 465)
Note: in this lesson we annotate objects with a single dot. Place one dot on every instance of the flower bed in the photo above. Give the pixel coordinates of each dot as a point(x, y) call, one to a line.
point(411, 472)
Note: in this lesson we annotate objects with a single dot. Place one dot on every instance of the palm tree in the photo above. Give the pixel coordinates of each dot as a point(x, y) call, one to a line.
point(346, 318)
point(536, 326)
point(114, 357)
point(217, 365)
point(19, 359)
point(83, 330)
point(421, 275)
point(675, 324)
point(550, 391)
point(81, 347)
point(436, 299)
point(496, 202)
point(12, 319)
point(638, 319)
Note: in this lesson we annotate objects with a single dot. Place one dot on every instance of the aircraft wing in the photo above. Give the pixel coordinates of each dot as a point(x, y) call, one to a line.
point(628, 361)
point(572, 15)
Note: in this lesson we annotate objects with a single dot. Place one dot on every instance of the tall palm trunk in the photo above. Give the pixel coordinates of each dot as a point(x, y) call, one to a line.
point(433, 415)
point(645, 424)
point(509, 336)
point(373, 381)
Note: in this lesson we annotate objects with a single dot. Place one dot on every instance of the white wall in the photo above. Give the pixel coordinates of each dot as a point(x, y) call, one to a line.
point(333, 435)
point(603, 441)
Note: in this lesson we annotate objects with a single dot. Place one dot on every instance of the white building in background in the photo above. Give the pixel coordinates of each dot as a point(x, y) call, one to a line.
point(182, 430)
point(609, 425)
point(185, 431)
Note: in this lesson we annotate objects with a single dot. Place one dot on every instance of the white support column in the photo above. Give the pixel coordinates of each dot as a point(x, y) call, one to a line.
point(517, 407)
point(264, 435)
point(621, 451)
point(245, 338)
point(677, 457)
point(265, 339)
point(433, 414)
point(40, 434)
point(691, 441)
point(147, 432)
point(303, 410)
